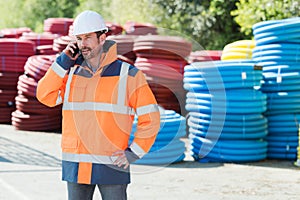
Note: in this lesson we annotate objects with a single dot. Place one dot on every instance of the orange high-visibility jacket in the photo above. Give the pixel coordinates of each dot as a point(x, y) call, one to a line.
point(98, 111)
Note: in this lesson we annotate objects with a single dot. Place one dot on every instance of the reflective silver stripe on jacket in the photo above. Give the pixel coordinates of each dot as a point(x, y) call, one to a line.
point(68, 85)
point(147, 109)
point(89, 158)
point(123, 83)
point(135, 148)
point(95, 106)
point(58, 69)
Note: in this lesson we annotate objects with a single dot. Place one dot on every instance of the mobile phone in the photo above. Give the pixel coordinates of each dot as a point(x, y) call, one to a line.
point(76, 50)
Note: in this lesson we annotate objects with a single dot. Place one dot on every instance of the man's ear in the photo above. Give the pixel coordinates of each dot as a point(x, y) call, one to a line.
point(102, 38)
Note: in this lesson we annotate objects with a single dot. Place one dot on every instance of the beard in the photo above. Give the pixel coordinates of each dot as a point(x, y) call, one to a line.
point(92, 52)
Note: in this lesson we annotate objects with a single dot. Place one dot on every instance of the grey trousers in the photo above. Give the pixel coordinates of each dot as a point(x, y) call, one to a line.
point(85, 192)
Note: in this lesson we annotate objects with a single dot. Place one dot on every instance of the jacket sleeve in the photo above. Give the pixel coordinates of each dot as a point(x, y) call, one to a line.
point(146, 108)
point(51, 88)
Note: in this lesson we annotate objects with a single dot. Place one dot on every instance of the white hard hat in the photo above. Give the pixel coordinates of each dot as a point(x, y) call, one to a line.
point(87, 22)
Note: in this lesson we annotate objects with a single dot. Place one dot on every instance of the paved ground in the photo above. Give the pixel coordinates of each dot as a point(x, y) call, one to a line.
point(30, 170)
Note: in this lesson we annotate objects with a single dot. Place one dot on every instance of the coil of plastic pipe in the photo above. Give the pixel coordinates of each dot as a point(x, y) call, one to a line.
point(282, 147)
point(237, 151)
point(45, 50)
point(226, 122)
point(135, 28)
point(276, 31)
point(162, 63)
point(125, 59)
point(22, 121)
point(13, 54)
point(8, 80)
point(238, 50)
point(59, 44)
point(26, 101)
point(114, 28)
point(37, 65)
point(26, 86)
point(58, 25)
point(205, 55)
point(32, 106)
point(12, 64)
point(124, 45)
point(167, 147)
point(283, 136)
point(14, 32)
point(221, 74)
point(160, 69)
point(39, 38)
point(30, 114)
point(165, 96)
point(160, 46)
point(162, 87)
point(5, 116)
point(155, 63)
point(16, 47)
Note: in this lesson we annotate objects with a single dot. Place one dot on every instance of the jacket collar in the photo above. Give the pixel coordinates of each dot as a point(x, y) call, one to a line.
point(108, 56)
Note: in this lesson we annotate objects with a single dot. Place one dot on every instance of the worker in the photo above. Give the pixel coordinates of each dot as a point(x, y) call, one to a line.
point(100, 96)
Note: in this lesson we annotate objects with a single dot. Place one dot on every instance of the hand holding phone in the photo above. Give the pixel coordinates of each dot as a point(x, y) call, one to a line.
point(76, 50)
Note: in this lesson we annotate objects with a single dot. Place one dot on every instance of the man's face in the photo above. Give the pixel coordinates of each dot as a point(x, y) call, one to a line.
point(89, 45)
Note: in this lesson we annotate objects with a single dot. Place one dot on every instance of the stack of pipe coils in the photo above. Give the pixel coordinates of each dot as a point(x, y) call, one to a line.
point(283, 136)
point(13, 32)
point(226, 122)
point(205, 55)
point(134, 28)
point(13, 53)
point(45, 50)
point(162, 59)
point(30, 113)
point(124, 46)
point(114, 29)
point(167, 148)
point(277, 50)
point(59, 44)
point(43, 42)
point(238, 50)
point(58, 25)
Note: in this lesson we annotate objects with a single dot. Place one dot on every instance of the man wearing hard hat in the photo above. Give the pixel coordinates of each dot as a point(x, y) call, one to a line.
point(100, 96)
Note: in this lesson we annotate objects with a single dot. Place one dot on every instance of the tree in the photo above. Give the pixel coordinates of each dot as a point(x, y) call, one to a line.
point(10, 15)
point(207, 22)
point(132, 10)
point(32, 13)
point(100, 6)
point(36, 11)
point(249, 12)
point(225, 30)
